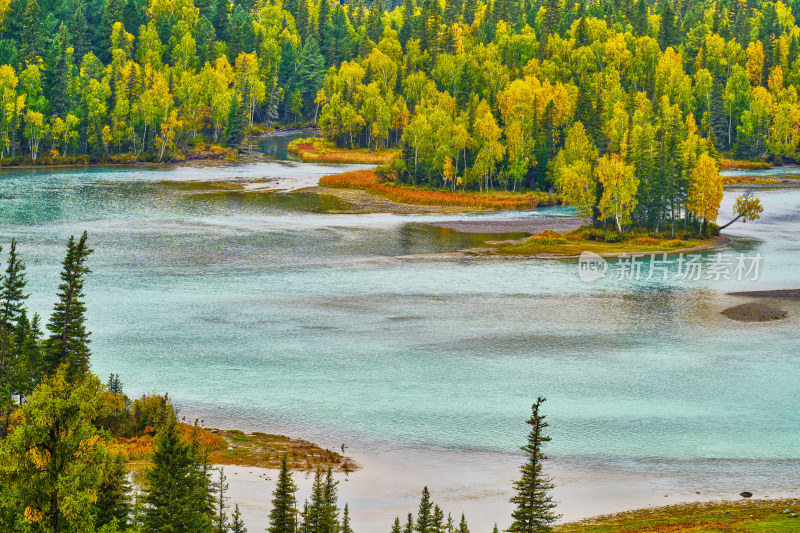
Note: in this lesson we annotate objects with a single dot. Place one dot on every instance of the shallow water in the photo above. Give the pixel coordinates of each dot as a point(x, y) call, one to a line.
point(259, 310)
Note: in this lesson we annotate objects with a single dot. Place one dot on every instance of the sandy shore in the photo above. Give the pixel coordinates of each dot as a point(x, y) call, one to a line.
point(479, 485)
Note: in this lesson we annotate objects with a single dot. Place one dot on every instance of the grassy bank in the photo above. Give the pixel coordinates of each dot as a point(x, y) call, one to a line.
point(730, 517)
point(232, 447)
point(368, 181)
point(573, 243)
point(737, 164)
point(732, 180)
point(316, 150)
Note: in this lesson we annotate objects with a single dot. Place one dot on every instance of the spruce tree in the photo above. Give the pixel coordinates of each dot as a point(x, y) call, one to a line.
point(310, 72)
point(237, 525)
point(437, 520)
point(282, 515)
point(32, 42)
point(68, 343)
point(221, 20)
point(330, 510)
point(175, 500)
point(312, 515)
point(12, 289)
point(346, 520)
point(462, 526)
point(396, 525)
point(234, 129)
point(409, 527)
point(425, 513)
point(668, 32)
point(534, 505)
point(30, 363)
point(220, 520)
point(113, 495)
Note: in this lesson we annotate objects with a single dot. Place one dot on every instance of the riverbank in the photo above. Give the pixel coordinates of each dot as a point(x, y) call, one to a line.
point(774, 516)
point(318, 150)
point(479, 484)
point(571, 243)
point(395, 198)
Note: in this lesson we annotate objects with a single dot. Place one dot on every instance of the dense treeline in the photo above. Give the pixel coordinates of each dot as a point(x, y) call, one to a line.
point(622, 105)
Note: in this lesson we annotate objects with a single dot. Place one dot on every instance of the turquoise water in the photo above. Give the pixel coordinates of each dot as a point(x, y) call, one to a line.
point(258, 310)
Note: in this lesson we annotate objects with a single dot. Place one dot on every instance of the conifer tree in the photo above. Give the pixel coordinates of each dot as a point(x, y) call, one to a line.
point(32, 42)
point(424, 513)
point(346, 520)
point(175, 500)
point(69, 341)
point(534, 504)
point(113, 495)
point(282, 515)
point(409, 527)
point(221, 20)
point(330, 511)
point(668, 32)
point(313, 511)
point(237, 525)
point(220, 517)
point(12, 289)
point(437, 520)
point(234, 129)
point(462, 526)
point(396, 525)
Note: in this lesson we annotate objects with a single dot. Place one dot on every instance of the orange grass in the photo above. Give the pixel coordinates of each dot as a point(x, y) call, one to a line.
point(728, 180)
point(136, 448)
point(368, 181)
point(322, 151)
point(734, 164)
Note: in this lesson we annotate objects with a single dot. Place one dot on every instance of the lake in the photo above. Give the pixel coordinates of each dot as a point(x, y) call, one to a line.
point(258, 310)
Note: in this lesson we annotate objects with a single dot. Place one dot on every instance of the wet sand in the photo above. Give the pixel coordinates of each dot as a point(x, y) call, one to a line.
point(790, 294)
point(479, 484)
point(531, 226)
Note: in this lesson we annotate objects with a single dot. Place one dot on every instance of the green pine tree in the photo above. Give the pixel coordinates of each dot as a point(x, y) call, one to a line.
point(396, 526)
point(32, 41)
point(462, 526)
point(220, 520)
point(237, 525)
point(310, 72)
point(68, 343)
point(330, 511)
point(175, 500)
point(12, 289)
point(312, 515)
point(409, 527)
point(282, 515)
point(234, 130)
point(346, 520)
point(113, 495)
point(424, 513)
point(534, 505)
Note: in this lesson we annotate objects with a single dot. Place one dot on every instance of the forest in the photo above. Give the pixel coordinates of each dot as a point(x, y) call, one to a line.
point(624, 107)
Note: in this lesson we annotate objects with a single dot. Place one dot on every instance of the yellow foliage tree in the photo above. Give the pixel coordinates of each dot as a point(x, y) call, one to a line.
point(705, 189)
point(619, 189)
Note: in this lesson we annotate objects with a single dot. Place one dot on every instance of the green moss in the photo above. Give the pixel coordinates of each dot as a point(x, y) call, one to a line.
point(757, 516)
